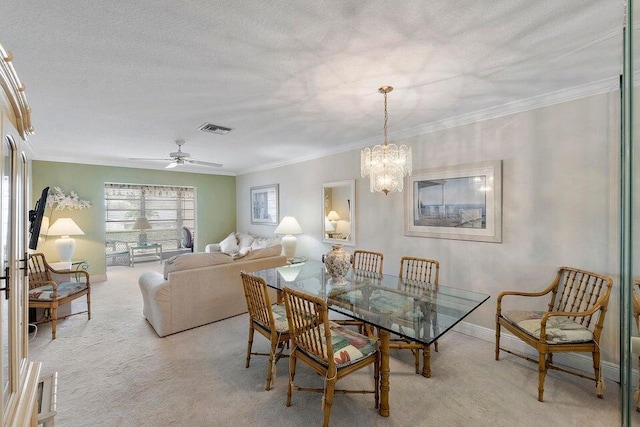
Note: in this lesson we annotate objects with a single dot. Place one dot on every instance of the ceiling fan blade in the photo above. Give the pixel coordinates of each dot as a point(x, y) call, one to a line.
point(153, 160)
point(199, 162)
point(171, 165)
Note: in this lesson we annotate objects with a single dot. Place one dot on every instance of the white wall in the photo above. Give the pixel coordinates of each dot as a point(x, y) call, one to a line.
point(560, 202)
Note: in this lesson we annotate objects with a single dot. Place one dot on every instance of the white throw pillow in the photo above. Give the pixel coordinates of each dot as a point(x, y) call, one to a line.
point(229, 245)
point(212, 247)
point(258, 243)
point(245, 240)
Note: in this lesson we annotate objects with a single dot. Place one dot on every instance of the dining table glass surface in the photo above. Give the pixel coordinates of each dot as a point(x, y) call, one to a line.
point(419, 311)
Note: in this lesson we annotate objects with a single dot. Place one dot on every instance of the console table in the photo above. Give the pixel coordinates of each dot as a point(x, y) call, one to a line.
point(146, 252)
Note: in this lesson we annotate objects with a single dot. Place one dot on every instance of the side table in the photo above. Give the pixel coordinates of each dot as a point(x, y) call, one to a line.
point(144, 251)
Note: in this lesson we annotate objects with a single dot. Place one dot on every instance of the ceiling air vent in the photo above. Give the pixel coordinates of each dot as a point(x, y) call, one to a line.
point(210, 127)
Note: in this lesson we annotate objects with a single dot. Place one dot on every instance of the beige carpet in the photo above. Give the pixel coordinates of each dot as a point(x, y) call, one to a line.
point(115, 371)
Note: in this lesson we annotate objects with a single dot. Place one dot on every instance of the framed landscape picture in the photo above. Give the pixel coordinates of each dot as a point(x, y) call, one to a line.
point(264, 205)
point(461, 202)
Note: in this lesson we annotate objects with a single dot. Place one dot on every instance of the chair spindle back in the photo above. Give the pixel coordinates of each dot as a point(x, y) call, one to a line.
point(420, 269)
point(38, 271)
point(367, 261)
point(258, 301)
point(309, 324)
point(576, 290)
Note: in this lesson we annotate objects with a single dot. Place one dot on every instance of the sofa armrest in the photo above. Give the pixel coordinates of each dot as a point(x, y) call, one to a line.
point(156, 297)
point(151, 282)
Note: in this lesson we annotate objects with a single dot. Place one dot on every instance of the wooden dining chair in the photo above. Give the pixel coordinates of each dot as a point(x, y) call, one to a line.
point(363, 262)
point(572, 322)
point(418, 276)
point(367, 261)
point(47, 291)
point(270, 320)
point(331, 350)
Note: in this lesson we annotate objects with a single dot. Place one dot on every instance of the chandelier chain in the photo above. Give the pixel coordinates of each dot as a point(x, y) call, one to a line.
point(386, 117)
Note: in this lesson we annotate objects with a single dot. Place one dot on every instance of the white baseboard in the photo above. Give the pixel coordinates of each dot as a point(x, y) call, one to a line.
point(578, 361)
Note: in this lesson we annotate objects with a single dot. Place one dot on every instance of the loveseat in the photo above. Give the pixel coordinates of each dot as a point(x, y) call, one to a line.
point(200, 288)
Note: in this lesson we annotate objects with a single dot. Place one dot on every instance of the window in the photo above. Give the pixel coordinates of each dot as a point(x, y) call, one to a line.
point(168, 209)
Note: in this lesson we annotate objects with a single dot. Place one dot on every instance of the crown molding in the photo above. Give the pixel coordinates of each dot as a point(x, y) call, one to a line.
point(545, 100)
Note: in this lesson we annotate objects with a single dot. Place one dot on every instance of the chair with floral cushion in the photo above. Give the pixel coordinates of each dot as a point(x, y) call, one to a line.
point(572, 322)
point(47, 293)
point(268, 319)
point(418, 276)
point(331, 350)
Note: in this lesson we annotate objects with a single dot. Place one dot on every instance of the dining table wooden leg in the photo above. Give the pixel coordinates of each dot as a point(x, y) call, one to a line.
point(384, 372)
point(426, 361)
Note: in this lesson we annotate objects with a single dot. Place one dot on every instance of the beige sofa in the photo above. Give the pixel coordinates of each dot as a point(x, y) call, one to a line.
point(200, 288)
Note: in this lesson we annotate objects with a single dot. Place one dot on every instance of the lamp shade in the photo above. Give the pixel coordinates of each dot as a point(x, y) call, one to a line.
point(327, 225)
point(141, 223)
point(64, 227)
point(288, 225)
point(333, 216)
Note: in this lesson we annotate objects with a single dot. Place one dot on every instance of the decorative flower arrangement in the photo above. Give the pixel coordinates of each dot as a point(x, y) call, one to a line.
point(60, 201)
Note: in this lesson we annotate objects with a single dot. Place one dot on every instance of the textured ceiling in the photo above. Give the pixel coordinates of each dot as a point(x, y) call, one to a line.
point(112, 80)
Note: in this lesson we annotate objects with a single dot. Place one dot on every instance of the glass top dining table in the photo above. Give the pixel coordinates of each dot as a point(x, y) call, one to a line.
point(418, 311)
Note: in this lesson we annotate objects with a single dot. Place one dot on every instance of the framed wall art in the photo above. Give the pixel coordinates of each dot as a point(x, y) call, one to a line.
point(461, 202)
point(264, 205)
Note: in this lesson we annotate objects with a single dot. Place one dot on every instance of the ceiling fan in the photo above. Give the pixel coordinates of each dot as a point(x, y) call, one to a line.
point(180, 158)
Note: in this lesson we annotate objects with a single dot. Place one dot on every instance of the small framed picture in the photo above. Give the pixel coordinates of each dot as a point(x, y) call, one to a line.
point(264, 205)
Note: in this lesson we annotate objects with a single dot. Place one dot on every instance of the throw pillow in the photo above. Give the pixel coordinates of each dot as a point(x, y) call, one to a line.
point(245, 240)
point(229, 245)
point(212, 247)
point(258, 243)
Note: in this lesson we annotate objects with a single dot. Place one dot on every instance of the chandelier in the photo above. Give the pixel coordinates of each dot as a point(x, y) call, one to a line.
point(386, 164)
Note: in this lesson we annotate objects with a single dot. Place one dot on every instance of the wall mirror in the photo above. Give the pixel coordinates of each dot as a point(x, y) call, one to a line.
point(339, 212)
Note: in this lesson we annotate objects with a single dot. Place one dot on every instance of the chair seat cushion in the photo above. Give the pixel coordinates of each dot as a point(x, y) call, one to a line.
point(349, 346)
point(280, 317)
point(45, 293)
point(560, 329)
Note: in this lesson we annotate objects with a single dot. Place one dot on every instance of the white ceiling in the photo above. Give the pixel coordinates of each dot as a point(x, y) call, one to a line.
point(110, 80)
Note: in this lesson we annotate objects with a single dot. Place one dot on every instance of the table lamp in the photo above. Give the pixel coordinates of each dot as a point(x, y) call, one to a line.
point(333, 217)
point(65, 245)
point(288, 226)
point(328, 227)
point(142, 224)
